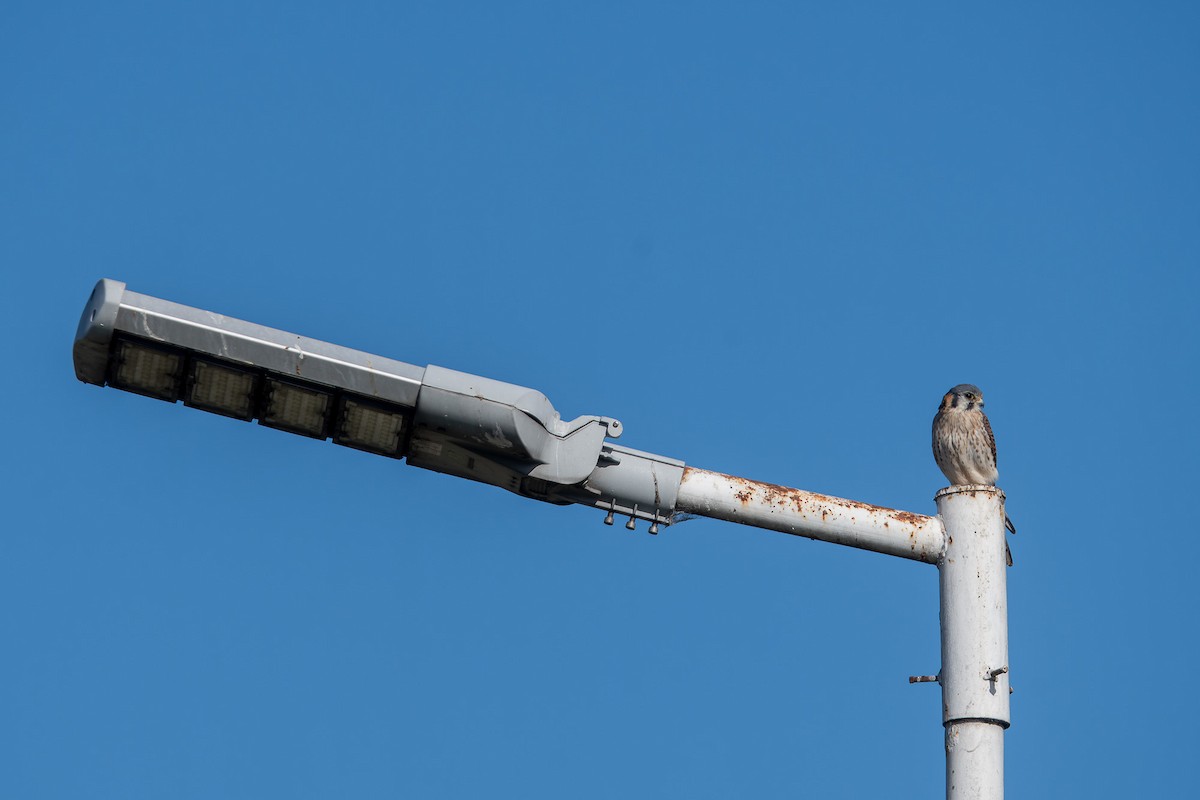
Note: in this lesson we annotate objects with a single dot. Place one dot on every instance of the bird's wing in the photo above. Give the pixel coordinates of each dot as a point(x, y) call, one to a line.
point(991, 439)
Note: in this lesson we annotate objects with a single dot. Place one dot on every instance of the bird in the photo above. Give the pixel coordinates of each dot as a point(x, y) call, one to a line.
point(963, 444)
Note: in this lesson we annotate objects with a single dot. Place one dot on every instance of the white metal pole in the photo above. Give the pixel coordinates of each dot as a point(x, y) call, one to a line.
point(974, 608)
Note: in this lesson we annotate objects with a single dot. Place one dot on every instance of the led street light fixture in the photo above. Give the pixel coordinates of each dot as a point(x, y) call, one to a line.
point(435, 418)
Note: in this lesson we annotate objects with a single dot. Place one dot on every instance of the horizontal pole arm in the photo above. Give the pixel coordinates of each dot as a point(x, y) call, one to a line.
point(816, 516)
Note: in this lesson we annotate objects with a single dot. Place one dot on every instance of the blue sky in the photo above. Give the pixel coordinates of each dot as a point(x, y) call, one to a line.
point(766, 237)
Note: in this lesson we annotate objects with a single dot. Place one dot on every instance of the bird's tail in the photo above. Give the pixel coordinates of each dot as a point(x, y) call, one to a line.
point(1011, 529)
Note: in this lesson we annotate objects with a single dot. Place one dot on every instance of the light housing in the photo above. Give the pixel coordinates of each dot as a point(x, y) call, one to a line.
point(435, 418)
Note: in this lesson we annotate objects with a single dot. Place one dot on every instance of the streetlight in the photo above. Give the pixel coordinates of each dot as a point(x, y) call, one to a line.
point(511, 436)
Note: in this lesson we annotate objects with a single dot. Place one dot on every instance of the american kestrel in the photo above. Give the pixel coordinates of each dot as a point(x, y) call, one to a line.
point(963, 444)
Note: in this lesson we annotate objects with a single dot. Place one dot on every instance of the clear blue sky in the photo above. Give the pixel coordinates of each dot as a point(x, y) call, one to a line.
point(766, 237)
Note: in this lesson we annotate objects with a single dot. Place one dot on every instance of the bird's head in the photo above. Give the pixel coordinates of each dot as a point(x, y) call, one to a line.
point(964, 397)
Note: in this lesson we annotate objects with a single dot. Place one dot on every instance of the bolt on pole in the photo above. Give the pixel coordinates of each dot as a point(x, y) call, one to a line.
point(974, 611)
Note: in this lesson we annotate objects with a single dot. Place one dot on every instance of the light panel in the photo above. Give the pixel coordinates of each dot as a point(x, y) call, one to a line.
point(147, 369)
point(221, 389)
point(372, 427)
point(299, 409)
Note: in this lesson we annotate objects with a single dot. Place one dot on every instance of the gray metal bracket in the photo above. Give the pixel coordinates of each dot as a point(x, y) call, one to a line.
point(502, 420)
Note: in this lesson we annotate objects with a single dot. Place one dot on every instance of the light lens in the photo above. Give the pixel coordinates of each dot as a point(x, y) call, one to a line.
point(221, 389)
point(371, 427)
point(299, 409)
point(147, 370)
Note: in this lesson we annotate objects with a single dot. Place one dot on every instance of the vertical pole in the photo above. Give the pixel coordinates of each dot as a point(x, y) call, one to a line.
point(974, 611)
